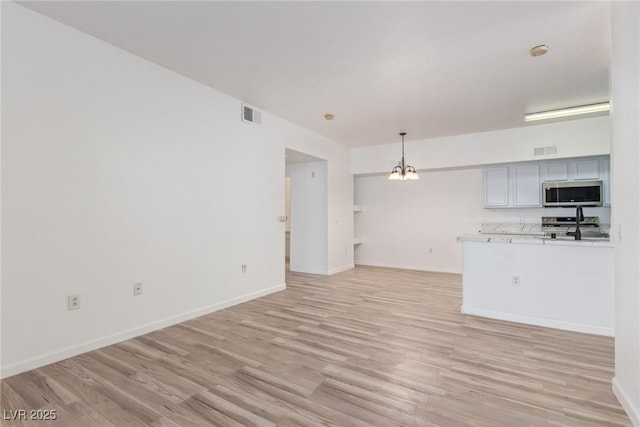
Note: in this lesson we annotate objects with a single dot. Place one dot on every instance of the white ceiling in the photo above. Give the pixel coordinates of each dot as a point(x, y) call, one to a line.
point(429, 68)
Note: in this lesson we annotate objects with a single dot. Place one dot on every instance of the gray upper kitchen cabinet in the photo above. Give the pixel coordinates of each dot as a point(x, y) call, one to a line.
point(585, 169)
point(512, 186)
point(605, 177)
point(572, 170)
point(496, 186)
point(526, 185)
point(556, 171)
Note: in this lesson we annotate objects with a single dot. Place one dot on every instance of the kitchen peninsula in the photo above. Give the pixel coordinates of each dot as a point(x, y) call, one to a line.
point(558, 283)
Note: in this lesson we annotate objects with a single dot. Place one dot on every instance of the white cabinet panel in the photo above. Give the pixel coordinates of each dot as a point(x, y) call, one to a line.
point(606, 180)
point(526, 185)
point(574, 290)
point(496, 186)
point(585, 169)
point(555, 171)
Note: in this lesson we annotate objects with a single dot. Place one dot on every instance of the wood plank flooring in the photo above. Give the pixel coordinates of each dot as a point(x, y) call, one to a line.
point(367, 347)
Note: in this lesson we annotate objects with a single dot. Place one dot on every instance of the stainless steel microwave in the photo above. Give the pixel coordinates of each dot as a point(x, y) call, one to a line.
point(572, 193)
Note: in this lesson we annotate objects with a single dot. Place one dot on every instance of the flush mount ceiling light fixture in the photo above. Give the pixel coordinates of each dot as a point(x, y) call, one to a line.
point(539, 50)
point(566, 112)
point(403, 172)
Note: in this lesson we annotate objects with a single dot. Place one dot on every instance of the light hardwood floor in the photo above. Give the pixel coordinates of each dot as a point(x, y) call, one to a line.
point(370, 346)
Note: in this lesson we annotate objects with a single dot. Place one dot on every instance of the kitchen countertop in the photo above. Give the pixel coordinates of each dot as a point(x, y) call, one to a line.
point(511, 228)
point(533, 240)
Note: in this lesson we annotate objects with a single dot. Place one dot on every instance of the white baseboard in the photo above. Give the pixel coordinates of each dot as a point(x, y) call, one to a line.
point(326, 272)
point(58, 355)
point(340, 269)
point(549, 323)
point(632, 410)
point(410, 267)
point(316, 272)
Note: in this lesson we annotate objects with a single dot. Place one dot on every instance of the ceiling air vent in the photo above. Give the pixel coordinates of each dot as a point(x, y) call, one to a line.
point(545, 151)
point(251, 115)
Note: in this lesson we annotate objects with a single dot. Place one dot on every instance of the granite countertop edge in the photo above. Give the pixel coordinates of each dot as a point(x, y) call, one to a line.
point(531, 240)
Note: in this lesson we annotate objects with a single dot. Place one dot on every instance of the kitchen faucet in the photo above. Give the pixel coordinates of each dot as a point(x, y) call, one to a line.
point(577, 235)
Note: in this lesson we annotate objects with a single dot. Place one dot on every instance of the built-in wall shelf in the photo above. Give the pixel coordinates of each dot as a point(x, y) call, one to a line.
point(356, 209)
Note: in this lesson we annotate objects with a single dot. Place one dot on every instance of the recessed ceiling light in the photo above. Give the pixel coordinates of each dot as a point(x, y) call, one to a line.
point(539, 50)
point(329, 116)
point(565, 112)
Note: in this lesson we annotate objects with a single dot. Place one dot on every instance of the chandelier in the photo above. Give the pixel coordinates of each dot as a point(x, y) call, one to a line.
point(403, 172)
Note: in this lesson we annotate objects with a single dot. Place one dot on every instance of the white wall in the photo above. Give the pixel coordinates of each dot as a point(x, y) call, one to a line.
point(1, 327)
point(402, 220)
point(287, 203)
point(625, 100)
point(340, 215)
point(340, 200)
point(115, 171)
point(308, 217)
point(573, 138)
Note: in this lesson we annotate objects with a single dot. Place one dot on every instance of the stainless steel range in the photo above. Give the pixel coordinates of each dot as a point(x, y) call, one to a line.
point(562, 225)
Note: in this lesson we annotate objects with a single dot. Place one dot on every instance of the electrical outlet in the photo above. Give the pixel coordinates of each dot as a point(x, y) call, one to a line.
point(73, 302)
point(137, 289)
point(515, 280)
point(244, 268)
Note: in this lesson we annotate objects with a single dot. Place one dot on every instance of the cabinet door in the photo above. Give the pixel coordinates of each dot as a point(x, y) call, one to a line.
point(556, 171)
point(496, 186)
point(526, 185)
point(585, 169)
